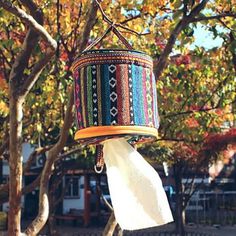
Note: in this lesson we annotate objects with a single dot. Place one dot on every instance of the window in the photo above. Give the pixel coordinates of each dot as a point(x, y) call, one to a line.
point(72, 187)
point(4, 179)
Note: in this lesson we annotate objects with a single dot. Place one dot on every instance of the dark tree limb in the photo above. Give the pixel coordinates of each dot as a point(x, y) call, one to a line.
point(215, 17)
point(35, 73)
point(33, 156)
point(186, 19)
point(30, 187)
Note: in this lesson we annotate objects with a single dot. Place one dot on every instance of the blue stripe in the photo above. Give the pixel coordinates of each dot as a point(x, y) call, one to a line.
point(106, 103)
point(137, 95)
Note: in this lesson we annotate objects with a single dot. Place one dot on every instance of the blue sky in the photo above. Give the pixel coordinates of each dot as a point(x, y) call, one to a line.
point(205, 38)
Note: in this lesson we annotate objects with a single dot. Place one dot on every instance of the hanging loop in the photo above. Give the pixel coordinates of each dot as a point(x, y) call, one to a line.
point(98, 170)
point(99, 162)
point(121, 37)
point(112, 27)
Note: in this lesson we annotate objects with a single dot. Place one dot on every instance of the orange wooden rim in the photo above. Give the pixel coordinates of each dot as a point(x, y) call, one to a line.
point(98, 131)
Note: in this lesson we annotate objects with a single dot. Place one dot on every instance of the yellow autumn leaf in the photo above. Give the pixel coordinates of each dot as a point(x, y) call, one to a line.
point(4, 109)
point(49, 100)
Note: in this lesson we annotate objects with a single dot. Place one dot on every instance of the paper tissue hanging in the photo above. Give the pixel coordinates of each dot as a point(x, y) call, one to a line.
point(116, 105)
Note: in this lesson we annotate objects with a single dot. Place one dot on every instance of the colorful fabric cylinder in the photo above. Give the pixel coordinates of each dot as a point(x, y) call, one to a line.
point(115, 96)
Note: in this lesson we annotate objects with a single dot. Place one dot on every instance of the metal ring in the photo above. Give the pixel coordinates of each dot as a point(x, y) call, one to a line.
point(97, 170)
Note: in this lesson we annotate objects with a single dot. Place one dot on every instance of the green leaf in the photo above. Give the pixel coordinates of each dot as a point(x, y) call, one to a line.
point(177, 14)
point(177, 4)
point(188, 31)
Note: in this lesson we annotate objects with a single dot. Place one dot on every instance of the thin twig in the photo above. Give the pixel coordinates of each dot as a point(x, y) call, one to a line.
point(130, 19)
point(117, 25)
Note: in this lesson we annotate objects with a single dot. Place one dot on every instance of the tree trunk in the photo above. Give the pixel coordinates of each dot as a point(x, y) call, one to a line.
point(15, 163)
point(179, 209)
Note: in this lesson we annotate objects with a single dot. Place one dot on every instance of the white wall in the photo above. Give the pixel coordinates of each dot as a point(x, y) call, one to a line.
point(5, 168)
point(75, 203)
point(27, 149)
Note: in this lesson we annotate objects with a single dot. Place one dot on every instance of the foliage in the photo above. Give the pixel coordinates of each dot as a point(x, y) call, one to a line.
point(196, 91)
point(216, 143)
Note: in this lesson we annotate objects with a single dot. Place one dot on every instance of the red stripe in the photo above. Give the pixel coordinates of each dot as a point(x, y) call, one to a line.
point(123, 94)
point(119, 94)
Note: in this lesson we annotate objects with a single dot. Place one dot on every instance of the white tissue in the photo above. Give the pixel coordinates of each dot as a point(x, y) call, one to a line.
point(138, 198)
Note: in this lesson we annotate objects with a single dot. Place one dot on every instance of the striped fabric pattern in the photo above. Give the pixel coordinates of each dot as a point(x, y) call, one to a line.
point(112, 93)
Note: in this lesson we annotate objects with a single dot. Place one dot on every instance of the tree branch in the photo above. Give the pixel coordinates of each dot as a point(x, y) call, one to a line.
point(63, 192)
point(111, 23)
point(35, 11)
point(130, 19)
point(21, 62)
point(220, 85)
point(33, 155)
point(189, 112)
point(99, 190)
point(161, 64)
point(216, 17)
point(4, 193)
point(196, 10)
point(177, 140)
point(30, 187)
point(43, 213)
point(162, 61)
point(42, 216)
point(35, 73)
point(30, 21)
point(110, 226)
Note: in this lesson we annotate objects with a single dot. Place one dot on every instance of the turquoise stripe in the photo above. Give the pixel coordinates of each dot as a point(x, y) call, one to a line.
point(140, 95)
point(89, 96)
point(149, 95)
point(106, 102)
point(138, 105)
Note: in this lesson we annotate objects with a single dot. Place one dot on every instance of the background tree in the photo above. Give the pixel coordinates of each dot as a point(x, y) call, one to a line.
point(194, 93)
